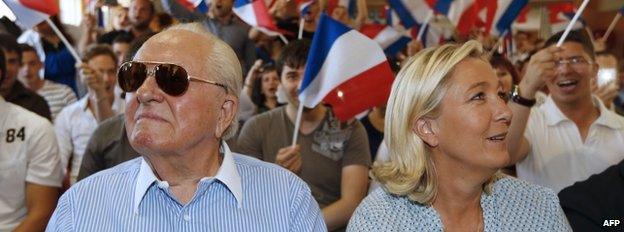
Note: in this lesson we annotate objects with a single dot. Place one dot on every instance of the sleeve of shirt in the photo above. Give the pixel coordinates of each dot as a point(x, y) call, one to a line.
point(557, 217)
point(179, 12)
point(63, 135)
point(357, 150)
point(44, 163)
point(305, 212)
point(62, 219)
point(250, 139)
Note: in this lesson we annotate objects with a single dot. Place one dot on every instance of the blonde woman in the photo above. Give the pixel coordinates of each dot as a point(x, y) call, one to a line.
point(446, 127)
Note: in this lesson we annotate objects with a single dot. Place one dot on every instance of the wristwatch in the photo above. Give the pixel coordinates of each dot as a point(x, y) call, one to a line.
point(515, 97)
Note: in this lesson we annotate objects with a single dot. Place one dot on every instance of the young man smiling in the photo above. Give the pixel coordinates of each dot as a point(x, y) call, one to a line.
point(572, 135)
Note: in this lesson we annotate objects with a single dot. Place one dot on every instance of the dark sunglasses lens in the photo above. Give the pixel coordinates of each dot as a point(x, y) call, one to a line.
point(172, 79)
point(131, 76)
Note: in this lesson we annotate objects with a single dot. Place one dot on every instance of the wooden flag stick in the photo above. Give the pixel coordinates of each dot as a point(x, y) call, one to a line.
point(611, 26)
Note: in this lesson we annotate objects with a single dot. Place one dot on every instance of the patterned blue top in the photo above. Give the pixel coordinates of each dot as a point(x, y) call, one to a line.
point(246, 194)
point(513, 205)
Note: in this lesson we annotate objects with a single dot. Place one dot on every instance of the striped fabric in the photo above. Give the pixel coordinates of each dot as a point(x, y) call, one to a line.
point(272, 199)
point(57, 95)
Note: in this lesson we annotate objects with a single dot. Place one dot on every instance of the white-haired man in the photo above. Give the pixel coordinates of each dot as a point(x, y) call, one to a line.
point(181, 106)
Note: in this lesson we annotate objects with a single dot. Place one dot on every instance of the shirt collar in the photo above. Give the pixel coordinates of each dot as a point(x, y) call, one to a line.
point(227, 174)
point(555, 116)
point(83, 102)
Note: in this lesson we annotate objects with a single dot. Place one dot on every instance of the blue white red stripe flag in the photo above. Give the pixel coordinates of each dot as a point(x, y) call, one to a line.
point(255, 13)
point(29, 13)
point(411, 12)
point(390, 39)
point(195, 5)
point(507, 11)
point(561, 15)
point(493, 17)
point(346, 70)
point(304, 7)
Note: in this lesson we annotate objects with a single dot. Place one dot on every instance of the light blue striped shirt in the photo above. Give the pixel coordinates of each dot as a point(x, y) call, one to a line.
point(246, 194)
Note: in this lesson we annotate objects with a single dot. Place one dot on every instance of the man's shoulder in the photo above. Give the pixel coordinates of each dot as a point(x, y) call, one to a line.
point(21, 116)
point(591, 194)
point(111, 126)
point(70, 109)
point(265, 118)
point(253, 165)
point(616, 119)
point(122, 173)
point(51, 86)
point(268, 173)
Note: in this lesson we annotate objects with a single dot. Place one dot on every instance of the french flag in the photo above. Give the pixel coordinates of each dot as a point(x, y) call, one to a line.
point(304, 7)
point(346, 70)
point(433, 36)
point(197, 5)
point(561, 15)
point(390, 39)
point(255, 13)
point(351, 6)
point(506, 13)
point(412, 12)
point(31, 12)
point(495, 17)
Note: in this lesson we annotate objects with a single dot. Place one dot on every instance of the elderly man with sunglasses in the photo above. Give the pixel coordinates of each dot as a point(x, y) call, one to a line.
point(572, 135)
point(182, 99)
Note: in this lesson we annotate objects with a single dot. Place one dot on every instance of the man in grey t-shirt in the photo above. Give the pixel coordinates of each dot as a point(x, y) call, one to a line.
point(331, 156)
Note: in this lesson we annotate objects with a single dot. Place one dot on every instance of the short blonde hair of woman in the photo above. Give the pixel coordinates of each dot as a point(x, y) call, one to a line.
point(416, 93)
point(223, 62)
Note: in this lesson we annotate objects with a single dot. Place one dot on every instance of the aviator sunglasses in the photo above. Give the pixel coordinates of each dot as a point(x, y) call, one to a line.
point(171, 78)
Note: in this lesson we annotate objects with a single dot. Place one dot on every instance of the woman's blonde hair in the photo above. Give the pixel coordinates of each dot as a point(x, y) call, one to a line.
point(416, 93)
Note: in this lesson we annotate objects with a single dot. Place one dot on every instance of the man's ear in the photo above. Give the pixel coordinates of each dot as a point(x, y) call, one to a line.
point(227, 114)
point(423, 127)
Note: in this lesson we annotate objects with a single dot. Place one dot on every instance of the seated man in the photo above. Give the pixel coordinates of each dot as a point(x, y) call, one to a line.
point(12, 90)
point(591, 203)
point(57, 95)
point(186, 179)
point(30, 168)
point(75, 124)
point(331, 156)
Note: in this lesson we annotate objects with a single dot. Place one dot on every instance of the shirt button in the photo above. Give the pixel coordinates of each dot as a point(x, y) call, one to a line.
point(187, 217)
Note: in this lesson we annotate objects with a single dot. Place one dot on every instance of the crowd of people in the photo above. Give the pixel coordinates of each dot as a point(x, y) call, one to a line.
point(183, 121)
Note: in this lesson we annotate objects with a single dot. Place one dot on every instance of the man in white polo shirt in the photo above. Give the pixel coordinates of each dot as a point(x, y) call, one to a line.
point(76, 122)
point(30, 168)
point(572, 135)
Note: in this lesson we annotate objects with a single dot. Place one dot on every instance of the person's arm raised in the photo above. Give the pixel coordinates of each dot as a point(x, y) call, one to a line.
point(540, 68)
